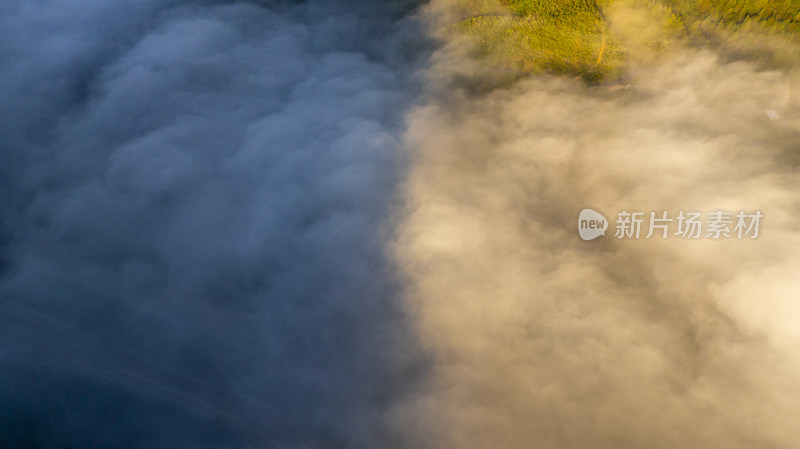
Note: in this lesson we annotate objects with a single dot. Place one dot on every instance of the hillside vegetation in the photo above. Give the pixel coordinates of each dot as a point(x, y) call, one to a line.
point(778, 15)
point(575, 37)
point(533, 36)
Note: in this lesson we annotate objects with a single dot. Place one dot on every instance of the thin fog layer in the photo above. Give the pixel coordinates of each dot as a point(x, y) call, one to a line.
point(542, 340)
point(192, 202)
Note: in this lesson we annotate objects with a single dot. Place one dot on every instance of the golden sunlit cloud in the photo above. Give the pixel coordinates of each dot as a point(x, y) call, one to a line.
point(542, 340)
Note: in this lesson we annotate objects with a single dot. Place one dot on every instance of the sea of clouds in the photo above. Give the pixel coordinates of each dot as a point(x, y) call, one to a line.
point(321, 224)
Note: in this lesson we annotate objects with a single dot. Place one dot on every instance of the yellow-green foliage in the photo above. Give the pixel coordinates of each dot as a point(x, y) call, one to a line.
point(535, 36)
point(781, 15)
point(572, 37)
point(766, 32)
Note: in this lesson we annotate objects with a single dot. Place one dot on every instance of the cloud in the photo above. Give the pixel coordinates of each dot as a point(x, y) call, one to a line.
point(542, 340)
point(193, 199)
point(280, 224)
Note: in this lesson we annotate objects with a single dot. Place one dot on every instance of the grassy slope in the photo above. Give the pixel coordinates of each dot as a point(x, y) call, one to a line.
point(534, 36)
point(764, 31)
point(573, 37)
point(779, 15)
